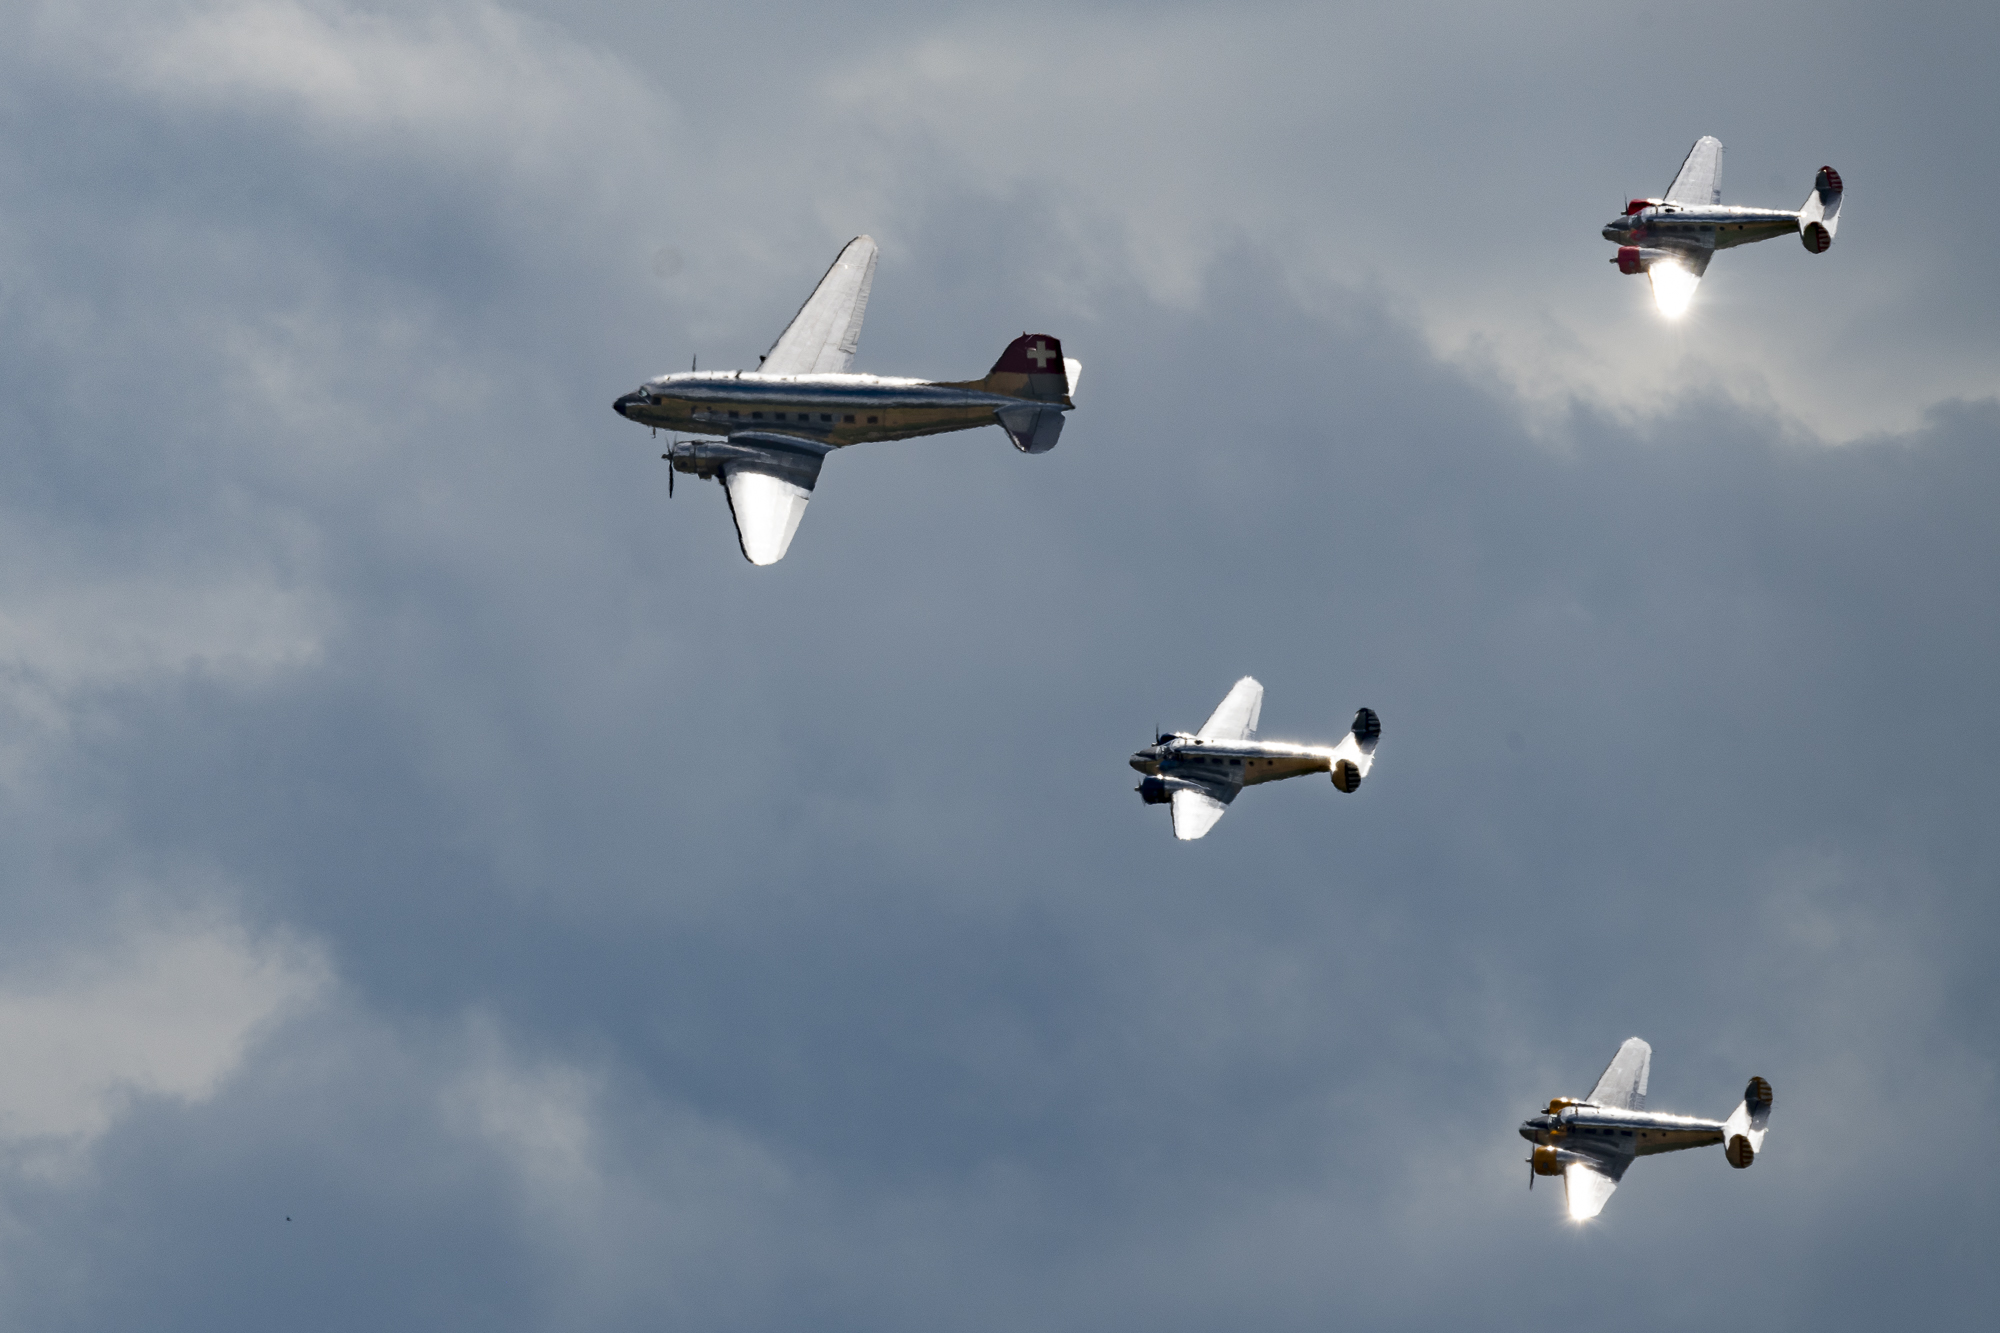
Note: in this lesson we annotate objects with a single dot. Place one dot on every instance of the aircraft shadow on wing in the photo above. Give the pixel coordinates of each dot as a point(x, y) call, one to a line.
point(1200, 774)
point(779, 422)
point(1590, 1141)
point(1672, 238)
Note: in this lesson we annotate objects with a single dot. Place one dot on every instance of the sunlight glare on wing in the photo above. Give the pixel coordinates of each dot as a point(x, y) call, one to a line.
point(1673, 288)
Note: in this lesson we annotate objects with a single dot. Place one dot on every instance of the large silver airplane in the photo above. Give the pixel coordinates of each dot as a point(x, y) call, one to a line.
point(1589, 1141)
point(780, 421)
point(1199, 774)
point(1671, 239)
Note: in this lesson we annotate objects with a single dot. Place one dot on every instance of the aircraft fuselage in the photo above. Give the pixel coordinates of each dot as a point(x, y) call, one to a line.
point(1247, 762)
point(1715, 226)
point(837, 410)
point(1604, 1131)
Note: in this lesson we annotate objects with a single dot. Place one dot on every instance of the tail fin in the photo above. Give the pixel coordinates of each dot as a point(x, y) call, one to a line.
point(1033, 370)
point(1032, 367)
point(1355, 754)
point(1743, 1132)
point(1819, 216)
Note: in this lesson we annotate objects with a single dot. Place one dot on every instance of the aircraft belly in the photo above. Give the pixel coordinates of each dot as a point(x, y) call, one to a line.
point(892, 423)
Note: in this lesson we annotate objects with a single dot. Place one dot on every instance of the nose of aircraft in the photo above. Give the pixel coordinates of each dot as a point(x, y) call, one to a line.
point(627, 401)
point(1141, 761)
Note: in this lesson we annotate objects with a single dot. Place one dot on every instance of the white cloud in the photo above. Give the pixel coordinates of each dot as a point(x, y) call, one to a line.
point(163, 1010)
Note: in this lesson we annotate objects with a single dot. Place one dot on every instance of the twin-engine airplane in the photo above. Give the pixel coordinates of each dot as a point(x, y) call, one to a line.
point(780, 421)
point(1590, 1141)
point(1201, 774)
point(1672, 239)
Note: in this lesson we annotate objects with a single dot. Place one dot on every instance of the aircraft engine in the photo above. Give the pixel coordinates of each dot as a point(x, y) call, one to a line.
point(1739, 1152)
point(1547, 1160)
point(1628, 260)
point(1816, 237)
point(1346, 777)
point(1154, 791)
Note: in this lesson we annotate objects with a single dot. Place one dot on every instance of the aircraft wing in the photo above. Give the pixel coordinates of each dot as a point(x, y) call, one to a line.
point(1699, 183)
point(1588, 1184)
point(769, 479)
point(1622, 1085)
point(823, 337)
point(1196, 809)
point(1235, 718)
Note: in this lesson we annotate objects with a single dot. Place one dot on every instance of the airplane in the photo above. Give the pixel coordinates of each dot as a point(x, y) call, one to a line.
point(1589, 1141)
point(780, 421)
point(1671, 239)
point(1200, 774)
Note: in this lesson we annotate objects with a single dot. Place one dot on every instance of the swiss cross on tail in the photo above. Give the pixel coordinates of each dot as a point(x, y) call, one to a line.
point(1031, 354)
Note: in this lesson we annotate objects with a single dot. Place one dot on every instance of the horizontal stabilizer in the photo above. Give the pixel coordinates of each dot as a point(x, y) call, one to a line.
point(1743, 1132)
point(1355, 754)
point(1033, 429)
point(1819, 216)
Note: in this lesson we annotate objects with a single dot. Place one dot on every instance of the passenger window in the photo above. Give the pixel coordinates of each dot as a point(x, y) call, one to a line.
point(1238, 763)
point(735, 414)
point(756, 416)
point(871, 421)
point(826, 416)
point(849, 418)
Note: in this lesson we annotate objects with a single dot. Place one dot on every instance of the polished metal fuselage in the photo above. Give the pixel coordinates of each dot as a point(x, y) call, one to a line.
point(1245, 762)
point(1602, 1131)
point(1713, 227)
point(837, 410)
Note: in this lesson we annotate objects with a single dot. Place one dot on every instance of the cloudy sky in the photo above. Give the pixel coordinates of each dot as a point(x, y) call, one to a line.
point(418, 828)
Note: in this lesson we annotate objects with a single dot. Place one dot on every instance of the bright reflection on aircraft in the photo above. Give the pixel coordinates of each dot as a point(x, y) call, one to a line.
point(1199, 774)
point(1590, 1141)
point(1672, 238)
point(779, 422)
point(1673, 288)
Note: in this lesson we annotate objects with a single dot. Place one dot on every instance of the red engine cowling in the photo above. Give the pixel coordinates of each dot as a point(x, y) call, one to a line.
point(1628, 260)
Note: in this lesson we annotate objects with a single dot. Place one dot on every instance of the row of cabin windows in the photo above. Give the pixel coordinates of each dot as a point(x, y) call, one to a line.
point(804, 416)
point(1204, 759)
point(1609, 1133)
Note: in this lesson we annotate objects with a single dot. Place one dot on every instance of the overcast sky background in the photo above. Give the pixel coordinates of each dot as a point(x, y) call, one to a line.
point(417, 827)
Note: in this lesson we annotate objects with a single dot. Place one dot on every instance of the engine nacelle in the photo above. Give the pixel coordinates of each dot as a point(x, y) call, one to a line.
point(1816, 238)
point(1628, 260)
point(1154, 791)
point(1739, 1152)
point(1346, 777)
point(1547, 1160)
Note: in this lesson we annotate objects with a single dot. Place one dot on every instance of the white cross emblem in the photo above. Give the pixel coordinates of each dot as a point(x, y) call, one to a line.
point(1040, 353)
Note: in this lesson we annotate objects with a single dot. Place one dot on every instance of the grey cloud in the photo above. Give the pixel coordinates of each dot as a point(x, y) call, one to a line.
point(775, 947)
